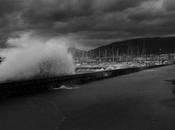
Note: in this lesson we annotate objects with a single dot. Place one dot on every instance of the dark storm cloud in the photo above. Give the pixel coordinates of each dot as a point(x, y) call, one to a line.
point(56, 10)
point(9, 6)
point(61, 10)
point(170, 5)
point(91, 22)
point(117, 5)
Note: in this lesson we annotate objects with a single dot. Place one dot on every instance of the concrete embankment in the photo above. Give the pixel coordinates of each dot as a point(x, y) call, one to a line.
point(37, 85)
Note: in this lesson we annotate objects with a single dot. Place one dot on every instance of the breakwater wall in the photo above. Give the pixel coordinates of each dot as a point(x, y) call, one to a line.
point(45, 84)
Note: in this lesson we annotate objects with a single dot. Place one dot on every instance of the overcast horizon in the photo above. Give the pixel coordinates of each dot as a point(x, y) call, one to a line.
point(89, 23)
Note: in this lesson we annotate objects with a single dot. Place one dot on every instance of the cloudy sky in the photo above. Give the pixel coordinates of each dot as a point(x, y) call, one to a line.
point(90, 23)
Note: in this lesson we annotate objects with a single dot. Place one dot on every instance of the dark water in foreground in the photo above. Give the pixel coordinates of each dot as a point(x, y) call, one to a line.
point(140, 101)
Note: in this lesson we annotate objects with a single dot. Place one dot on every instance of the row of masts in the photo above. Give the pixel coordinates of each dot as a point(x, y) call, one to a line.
point(113, 52)
point(128, 53)
point(113, 55)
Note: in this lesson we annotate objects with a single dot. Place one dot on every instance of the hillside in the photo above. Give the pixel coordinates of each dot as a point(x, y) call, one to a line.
point(137, 46)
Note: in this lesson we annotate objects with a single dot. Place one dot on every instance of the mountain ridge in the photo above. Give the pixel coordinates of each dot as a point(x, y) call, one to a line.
point(137, 46)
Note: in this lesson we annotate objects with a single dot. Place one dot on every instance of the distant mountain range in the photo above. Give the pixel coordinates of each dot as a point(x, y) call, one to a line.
point(138, 46)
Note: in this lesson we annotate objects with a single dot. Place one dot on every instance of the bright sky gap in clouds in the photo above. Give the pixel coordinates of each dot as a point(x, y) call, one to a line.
point(91, 23)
